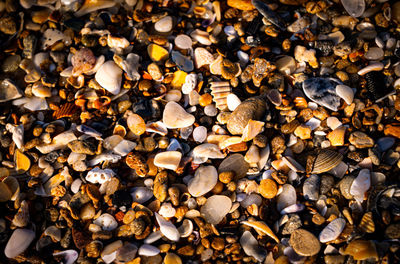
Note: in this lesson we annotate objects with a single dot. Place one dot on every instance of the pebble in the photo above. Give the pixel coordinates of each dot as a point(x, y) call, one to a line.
point(202, 57)
point(233, 101)
point(183, 42)
point(304, 243)
point(268, 188)
point(157, 53)
point(148, 250)
point(361, 140)
point(19, 241)
point(216, 208)
point(106, 221)
point(374, 54)
point(252, 108)
point(164, 25)
point(286, 197)
point(202, 37)
point(200, 134)
point(205, 178)
point(9, 91)
point(175, 116)
point(184, 63)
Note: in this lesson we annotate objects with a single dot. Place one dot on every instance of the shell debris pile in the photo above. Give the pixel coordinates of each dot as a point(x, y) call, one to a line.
point(207, 131)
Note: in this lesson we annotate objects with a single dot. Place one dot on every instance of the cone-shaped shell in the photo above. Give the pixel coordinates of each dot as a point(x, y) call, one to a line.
point(326, 160)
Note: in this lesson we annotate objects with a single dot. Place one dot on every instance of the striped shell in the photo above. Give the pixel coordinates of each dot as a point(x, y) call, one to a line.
point(326, 160)
point(66, 110)
point(367, 224)
point(220, 91)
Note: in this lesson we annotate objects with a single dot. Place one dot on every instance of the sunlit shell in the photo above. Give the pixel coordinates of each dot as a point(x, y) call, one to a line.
point(262, 227)
point(167, 228)
point(336, 137)
point(22, 162)
point(252, 129)
point(186, 228)
point(171, 258)
point(5, 192)
point(230, 141)
point(66, 110)
point(90, 6)
point(220, 92)
point(13, 186)
point(21, 218)
point(361, 250)
point(69, 256)
point(367, 224)
point(326, 160)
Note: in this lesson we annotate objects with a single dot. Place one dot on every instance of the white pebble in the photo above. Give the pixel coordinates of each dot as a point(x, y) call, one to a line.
point(233, 101)
point(200, 134)
point(164, 24)
point(210, 110)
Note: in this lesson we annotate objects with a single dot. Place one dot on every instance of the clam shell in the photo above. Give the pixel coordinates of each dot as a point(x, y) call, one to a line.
point(186, 228)
point(220, 92)
point(167, 228)
point(367, 224)
point(326, 160)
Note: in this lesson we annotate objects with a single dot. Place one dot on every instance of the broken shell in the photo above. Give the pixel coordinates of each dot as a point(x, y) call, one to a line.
point(21, 218)
point(90, 6)
point(168, 159)
point(332, 230)
point(106, 221)
point(261, 227)
point(69, 256)
point(252, 129)
point(204, 180)
point(174, 116)
point(109, 76)
point(167, 228)
point(367, 224)
point(251, 247)
point(186, 228)
point(361, 250)
point(215, 208)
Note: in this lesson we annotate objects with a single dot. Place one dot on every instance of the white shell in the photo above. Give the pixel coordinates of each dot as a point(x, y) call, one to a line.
point(345, 92)
point(98, 175)
point(141, 194)
point(167, 228)
point(332, 230)
point(233, 101)
point(360, 185)
point(287, 197)
point(251, 247)
point(168, 159)
point(109, 76)
point(205, 178)
point(148, 250)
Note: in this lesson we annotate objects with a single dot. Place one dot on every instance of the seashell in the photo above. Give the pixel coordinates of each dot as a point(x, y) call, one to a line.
point(39, 90)
point(21, 218)
point(9, 91)
point(206, 151)
point(13, 186)
point(76, 185)
point(157, 127)
point(66, 110)
point(175, 116)
point(233, 101)
point(234, 163)
point(17, 134)
point(50, 37)
point(286, 197)
point(109, 76)
point(205, 178)
point(361, 250)
point(90, 6)
point(104, 157)
point(171, 258)
point(336, 137)
point(345, 92)
point(168, 159)
point(367, 224)
point(109, 252)
point(373, 66)
point(153, 237)
point(251, 247)
point(355, 8)
point(106, 221)
point(220, 92)
point(69, 256)
point(186, 229)
point(130, 65)
point(53, 232)
point(19, 242)
point(252, 129)
point(141, 194)
point(323, 92)
point(332, 230)
point(183, 42)
point(294, 208)
point(293, 164)
point(182, 62)
point(148, 250)
point(252, 155)
point(326, 160)
point(22, 162)
point(124, 147)
point(360, 185)
point(98, 175)
point(167, 228)
point(201, 36)
point(261, 227)
point(216, 208)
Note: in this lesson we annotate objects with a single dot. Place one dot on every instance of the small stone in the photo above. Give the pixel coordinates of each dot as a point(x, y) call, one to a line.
point(161, 186)
point(136, 124)
point(393, 231)
point(7, 25)
point(392, 130)
point(202, 57)
point(304, 243)
point(361, 250)
point(205, 99)
point(138, 163)
point(82, 147)
point(233, 101)
point(204, 180)
point(374, 53)
point(241, 4)
point(226, 177)
point(215, 208)
point(268, 188)
point(200, 134)
point(157, 53)
point(292, 224)
point(9, 91)
point(164, 24)
point(182, 62)
point(311, 188)
point(202, 37)
point(303, 132)
point(183, 42)
point(361, 140)
point(286, 65)
point(174, 116)
point(336, 137)
point(344, 186)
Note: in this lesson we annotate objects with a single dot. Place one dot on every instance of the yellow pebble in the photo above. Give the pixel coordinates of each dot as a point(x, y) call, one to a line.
point(157, 53)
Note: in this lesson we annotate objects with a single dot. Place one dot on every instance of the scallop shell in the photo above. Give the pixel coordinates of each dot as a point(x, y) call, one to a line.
point(66, 110)
point(367, 224)
point(326, 160)
point(220, 92)
point(262, 227)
